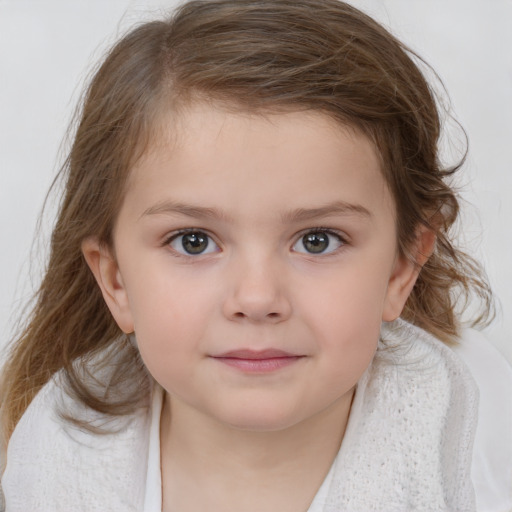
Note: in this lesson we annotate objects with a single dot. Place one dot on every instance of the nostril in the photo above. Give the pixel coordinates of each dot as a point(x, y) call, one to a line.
point(273, 315)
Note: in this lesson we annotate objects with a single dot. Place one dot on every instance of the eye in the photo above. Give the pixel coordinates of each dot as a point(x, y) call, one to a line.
point(318, 242)
point(192, 243)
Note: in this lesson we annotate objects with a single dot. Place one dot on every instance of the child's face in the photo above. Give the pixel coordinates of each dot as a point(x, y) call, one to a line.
point(256, 260)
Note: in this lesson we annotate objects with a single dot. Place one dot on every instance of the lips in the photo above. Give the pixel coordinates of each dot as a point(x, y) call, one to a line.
point(258, 361)
point(256, 354)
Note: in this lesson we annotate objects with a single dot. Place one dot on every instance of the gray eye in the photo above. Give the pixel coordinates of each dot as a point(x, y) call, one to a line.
point(318, 242)
point(193, 243)
point(315, 242)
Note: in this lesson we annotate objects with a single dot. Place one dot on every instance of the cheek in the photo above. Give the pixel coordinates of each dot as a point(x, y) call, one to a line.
point(348, 347)
point(171, 316)
point(345, 315)
point(350, 336)
point(348, 298)
point(164, 296)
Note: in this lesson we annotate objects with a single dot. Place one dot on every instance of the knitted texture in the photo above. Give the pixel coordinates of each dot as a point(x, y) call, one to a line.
point(52, 466)
point(409, 440)
point(407, 446)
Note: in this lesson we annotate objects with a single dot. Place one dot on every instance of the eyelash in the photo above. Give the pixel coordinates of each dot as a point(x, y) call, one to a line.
point(182, 232)
point(341, 238)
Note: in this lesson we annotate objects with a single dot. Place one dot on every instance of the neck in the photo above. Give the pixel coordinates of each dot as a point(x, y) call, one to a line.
point(278, 470)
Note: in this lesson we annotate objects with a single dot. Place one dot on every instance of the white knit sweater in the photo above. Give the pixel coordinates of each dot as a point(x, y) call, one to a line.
point(408, 445)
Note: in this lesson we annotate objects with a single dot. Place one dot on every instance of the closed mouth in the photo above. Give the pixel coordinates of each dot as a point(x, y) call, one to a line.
point(258, 361)
point(256, 354)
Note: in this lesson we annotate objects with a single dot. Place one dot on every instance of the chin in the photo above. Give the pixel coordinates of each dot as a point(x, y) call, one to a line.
point(261, 419)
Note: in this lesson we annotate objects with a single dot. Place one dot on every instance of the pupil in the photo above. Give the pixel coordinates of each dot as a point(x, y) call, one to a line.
point(316, 242)
point(195, 243)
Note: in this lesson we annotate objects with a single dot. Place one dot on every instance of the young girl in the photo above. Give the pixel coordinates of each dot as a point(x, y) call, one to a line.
point(251, 299)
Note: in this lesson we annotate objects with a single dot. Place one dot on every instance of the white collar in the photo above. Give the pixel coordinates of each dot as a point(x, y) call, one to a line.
point(415, 397)
point(153, 496)
point(407, 446)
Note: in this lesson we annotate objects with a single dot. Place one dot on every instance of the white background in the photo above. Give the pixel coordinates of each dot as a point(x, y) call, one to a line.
point(48, 47)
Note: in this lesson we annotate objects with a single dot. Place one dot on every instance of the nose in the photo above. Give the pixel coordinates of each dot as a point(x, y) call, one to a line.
point(257, 292)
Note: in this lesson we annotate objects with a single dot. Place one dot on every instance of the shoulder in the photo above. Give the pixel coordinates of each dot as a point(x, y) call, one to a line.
point(408, 442)
point(39, 421)
point(492, 455)
point(30, 446)
point(52, 465)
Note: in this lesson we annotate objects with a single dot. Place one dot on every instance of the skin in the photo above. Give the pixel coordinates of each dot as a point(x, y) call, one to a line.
point(254, 185)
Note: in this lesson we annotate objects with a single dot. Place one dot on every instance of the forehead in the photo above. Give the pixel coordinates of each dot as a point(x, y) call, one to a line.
point(234, 158)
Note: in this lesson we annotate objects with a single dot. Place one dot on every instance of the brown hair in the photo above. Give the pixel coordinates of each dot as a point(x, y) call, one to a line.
point(256, 55)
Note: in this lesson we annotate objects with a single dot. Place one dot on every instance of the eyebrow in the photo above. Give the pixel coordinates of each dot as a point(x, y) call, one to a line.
point(329, 210)
point(298, 215)
point(174, 208)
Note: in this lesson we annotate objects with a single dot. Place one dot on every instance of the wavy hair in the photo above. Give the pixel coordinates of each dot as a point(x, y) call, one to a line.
point(256, 56)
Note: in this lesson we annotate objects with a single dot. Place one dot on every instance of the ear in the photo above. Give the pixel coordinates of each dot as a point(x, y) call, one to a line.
point(406, 271)
point(106, 272)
